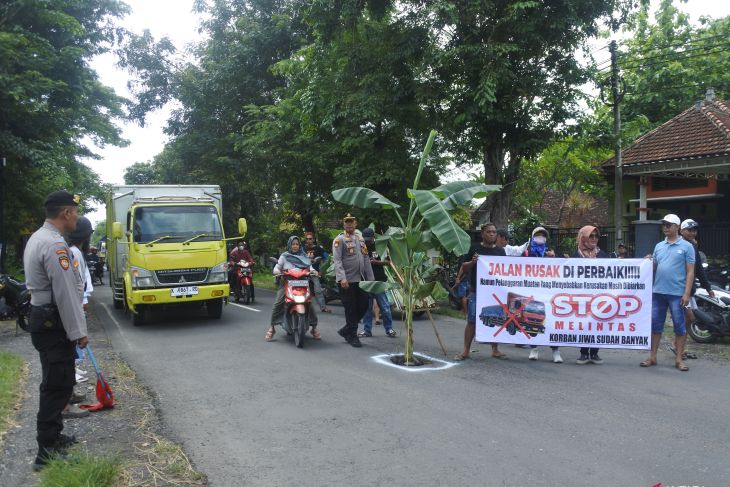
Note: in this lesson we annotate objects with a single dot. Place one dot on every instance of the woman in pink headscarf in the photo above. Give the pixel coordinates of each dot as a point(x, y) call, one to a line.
point(587, 243)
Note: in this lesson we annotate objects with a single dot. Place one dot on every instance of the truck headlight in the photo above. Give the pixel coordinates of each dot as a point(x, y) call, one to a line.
point(141, 277)
point(219, 273)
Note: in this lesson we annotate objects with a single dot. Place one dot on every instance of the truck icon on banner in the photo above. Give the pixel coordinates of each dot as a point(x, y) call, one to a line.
point(531, 318)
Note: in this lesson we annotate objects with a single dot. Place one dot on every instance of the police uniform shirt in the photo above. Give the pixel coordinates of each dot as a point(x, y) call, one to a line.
point(53, 277)
point(351, 258)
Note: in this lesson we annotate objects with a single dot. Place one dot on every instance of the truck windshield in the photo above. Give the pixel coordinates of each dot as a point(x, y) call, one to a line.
point(176, 223)
point(536, 307)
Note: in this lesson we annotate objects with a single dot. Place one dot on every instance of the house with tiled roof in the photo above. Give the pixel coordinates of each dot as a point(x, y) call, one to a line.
point(682, 167)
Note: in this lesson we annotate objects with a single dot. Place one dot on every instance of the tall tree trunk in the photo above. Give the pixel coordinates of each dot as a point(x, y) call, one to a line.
point(496, 172)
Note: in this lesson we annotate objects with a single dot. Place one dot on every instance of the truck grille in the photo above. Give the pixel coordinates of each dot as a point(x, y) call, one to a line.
point(182, 276)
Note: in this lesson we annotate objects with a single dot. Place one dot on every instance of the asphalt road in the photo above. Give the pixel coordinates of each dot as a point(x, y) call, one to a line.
point(268, 414)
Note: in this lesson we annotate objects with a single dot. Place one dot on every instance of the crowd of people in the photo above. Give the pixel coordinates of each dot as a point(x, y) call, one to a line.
point(57, 255)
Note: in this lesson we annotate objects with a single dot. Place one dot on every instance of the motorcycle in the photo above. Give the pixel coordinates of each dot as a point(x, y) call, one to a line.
point(95, 271)
point(712, 316)
point(297, 301)
point(244, 277)
point(17, 299)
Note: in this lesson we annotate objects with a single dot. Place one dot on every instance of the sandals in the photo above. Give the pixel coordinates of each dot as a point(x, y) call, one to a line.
point(648, 363)
point(315, 333)
point(685, 355)
point(270, 335)
point(325, 309)
point(500, 356)
point(461, 357)
point(681, 366)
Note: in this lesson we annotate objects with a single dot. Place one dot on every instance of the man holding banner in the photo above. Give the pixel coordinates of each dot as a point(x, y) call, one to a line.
point(674, 260)
point(579, 302)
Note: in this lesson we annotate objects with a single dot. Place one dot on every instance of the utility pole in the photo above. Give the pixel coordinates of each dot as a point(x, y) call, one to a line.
point(3, 244)
point(616, 95)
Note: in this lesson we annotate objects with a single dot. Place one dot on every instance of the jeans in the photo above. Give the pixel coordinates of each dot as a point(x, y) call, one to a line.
point(318, 293)
point(659, 305)
point(385, 313)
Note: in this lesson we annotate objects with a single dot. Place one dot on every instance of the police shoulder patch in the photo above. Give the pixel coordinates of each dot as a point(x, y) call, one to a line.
point(64, 262)
point(62, 252)
point(337, 242)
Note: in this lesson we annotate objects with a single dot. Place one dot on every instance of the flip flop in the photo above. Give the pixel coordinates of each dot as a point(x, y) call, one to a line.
point(689, 355)
point(326, 310)
point(500, 356)
point(681, 366)
point(461, 357)
point(648, 363)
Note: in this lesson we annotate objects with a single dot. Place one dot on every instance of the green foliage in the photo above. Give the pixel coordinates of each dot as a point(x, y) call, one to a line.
point(11, 370)
point(50, 101)
point(99, 232)
point(81, 468)
point(428, 217)
point(141, 173)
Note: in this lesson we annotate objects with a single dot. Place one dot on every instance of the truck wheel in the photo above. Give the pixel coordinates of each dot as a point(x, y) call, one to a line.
point(511, 329)
point(140, 316)
point(215, 308)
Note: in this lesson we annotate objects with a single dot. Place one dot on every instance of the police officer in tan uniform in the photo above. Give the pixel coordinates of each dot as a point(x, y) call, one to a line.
point(56, 320)
point(352, 265)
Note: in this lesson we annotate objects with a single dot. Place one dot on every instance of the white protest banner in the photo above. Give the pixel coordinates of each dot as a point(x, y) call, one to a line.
point(601, 303)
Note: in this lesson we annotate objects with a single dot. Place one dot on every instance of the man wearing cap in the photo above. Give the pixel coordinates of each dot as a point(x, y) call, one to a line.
point(503, 238)
point(382, 298)
point(688, 229)
point(352, 265)
point(56, 320)
point(317, 255)
point(674, 273)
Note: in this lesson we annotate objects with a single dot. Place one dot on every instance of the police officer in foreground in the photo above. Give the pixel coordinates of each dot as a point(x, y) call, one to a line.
point(352, 265)
point(56, 320)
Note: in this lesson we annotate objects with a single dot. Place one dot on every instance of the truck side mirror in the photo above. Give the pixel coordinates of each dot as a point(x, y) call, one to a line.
point(242, 226)
point(116, 230)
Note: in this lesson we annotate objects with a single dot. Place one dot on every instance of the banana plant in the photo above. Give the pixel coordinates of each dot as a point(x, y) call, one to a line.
point(426, 224)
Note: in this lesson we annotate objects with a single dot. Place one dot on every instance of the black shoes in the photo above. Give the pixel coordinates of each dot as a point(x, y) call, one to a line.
point(349, 337)
point(47, 453)
point(595, 359)
point(583, 359)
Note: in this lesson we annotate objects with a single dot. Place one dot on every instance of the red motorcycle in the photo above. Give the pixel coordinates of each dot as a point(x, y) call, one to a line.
point(297, 300)
point(244, 278)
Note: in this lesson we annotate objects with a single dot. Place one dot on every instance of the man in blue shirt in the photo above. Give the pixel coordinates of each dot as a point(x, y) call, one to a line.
point(674, 274)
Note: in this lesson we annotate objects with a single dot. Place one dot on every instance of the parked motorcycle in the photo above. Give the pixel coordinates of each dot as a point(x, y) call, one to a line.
point(17, 299)
point(712, 318)
point(244, 277)
point(95, 271)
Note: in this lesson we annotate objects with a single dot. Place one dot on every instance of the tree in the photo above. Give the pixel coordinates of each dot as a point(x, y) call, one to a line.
point(50, 100)
point(427, 219)
point(141, 173)
point(506, 79)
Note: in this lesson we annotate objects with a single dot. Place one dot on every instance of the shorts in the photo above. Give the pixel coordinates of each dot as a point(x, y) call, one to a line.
point(660, 304)
point(471, 307)
point(462, 289)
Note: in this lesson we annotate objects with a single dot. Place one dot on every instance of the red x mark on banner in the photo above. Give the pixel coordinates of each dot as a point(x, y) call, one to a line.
point(512, 316)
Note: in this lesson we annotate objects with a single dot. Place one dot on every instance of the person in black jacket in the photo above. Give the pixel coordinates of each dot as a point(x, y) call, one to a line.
point(587, 242)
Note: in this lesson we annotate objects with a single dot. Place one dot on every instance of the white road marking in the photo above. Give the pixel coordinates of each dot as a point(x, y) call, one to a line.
point(119, 327)
point(245, 307)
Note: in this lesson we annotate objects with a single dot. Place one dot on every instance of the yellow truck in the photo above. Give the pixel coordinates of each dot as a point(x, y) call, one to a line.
point(166, 246)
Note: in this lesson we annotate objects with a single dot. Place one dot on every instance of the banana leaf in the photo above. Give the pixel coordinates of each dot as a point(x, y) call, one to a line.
point(464, 196)
point(377, 287)
point(363, 198)
point(449, 234)
point(425, 289)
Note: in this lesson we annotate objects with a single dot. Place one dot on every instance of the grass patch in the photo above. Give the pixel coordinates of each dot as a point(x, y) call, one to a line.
point(445, 310)
point(168, 464)
point(81, 469)
point(264, 280)
point(12, 371)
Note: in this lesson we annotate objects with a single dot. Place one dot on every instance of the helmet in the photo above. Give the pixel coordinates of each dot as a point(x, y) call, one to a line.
point(83, 230)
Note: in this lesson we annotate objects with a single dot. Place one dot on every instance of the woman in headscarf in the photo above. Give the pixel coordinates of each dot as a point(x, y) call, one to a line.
point(587, 243)
point(294, 258)
point(538, 247)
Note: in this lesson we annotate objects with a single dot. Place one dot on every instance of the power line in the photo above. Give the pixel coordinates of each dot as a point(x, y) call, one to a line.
point(669, 58)
point(712, 46)
point(682, 43)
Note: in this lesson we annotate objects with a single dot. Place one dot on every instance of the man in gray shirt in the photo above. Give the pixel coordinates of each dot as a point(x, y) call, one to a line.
point(352, 265)
point(56, 320)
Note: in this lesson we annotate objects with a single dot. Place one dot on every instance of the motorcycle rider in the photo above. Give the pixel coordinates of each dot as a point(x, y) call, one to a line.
point(240, 253)
point(315, 250)
point(293, 258)
point(92, 257)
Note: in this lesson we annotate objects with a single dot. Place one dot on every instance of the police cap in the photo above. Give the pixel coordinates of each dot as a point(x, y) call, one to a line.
point(62, 198)
point(348, 217)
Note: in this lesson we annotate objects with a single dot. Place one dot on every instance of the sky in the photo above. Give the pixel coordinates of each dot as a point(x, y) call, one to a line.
point(175, 19)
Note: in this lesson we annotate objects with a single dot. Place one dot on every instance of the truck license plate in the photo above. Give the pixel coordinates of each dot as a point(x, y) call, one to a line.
point(183, 291)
